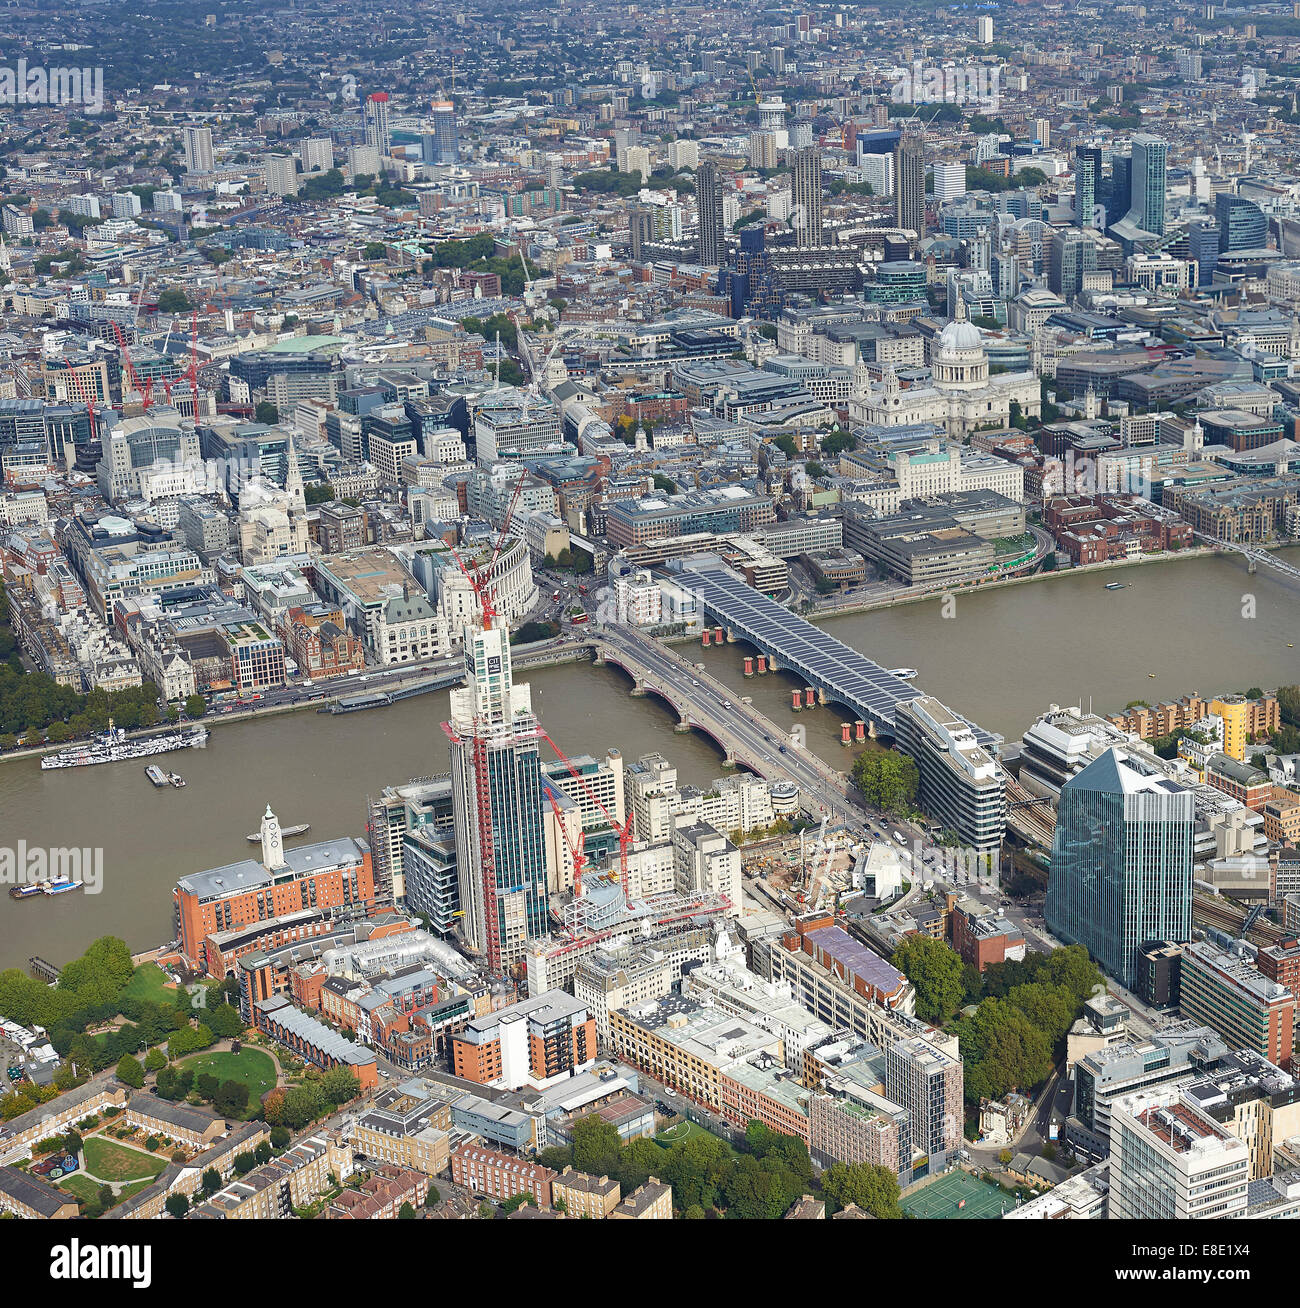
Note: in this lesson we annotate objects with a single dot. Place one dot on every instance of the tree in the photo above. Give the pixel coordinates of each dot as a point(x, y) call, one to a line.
point(693, 1169)
point(263, 1152)
point(340, 1084)
point(273, 1109)
point(195, 706)
point(596, 1146)
point(211, 1180)
point(155, 1060)
point(872, 1188)
point(231, 1100)
point(130, 1071)
point(177, 1205)
point(1288, 703)
point(1002, 1051)
point(266, 413)
point(936, 972)
point(431, 1196)
point(245, 1162)
point(1049, 1008)
point(225, 1021)
point(173, 300)
point(887, 779)
point(406, 1212)
point(517, 1201)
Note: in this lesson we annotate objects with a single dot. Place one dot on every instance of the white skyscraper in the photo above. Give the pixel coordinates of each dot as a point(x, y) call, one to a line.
point(197, 142)
point(281, 174)
point(949, 181)
point(378, 136)
point(317, 154)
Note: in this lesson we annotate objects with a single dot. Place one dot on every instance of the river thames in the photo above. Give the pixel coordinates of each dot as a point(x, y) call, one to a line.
point(1001, 657)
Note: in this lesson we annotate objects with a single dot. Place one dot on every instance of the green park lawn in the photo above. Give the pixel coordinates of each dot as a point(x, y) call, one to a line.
point(111, 1161)
point(251, 1066)
point(149, 981)
point(81, 1186)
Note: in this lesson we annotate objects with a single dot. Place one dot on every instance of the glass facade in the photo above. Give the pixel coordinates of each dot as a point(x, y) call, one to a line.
point(1242, 223)
point(1121, 862)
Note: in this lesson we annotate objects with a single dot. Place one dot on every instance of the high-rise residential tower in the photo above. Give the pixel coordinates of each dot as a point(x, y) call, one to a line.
point(708, 198)
point(197, 142)
point(497, 802)
point(442, 145)
point(1121, 861)
point(1087, 185)
point(806, 216)
point(378, 135)
point(909, 184)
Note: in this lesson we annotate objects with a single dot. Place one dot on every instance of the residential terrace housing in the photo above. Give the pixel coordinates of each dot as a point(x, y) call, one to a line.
point(408, 1126)
point(381, 1196)
point(293, 1180)
point(29, 1196)
point(652, 1201)
point(314, 1041)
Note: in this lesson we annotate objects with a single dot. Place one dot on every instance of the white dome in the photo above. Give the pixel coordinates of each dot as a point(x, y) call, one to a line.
point(961, 334)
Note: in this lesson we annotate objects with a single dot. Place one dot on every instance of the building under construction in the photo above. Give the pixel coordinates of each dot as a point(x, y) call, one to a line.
point(497, 803)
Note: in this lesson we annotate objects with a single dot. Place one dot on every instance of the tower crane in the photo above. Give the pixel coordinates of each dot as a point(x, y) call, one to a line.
point(480, 579)
point(146, 391)
point(576, 851)
point(622, 830)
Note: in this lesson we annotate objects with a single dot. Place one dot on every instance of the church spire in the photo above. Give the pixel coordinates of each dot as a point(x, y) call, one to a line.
point(293, 480)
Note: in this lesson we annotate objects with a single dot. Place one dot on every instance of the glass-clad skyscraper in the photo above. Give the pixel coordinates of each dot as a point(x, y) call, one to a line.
point(1147, 183)
point(1121, 870)
point(1242, 223)
point(497, 803)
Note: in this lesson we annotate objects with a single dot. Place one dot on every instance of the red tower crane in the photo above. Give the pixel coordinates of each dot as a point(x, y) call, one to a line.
point(480, 579)
point(145, 391)
point(576, 852)
point(623, 830)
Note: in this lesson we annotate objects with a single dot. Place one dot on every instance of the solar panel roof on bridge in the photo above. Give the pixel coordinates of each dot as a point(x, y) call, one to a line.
point(803, 648)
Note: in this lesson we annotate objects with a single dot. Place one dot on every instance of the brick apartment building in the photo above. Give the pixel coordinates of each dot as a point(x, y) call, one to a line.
point(327, 875)
point(532, 1043)
point(381, 1196)
point(501, 1176)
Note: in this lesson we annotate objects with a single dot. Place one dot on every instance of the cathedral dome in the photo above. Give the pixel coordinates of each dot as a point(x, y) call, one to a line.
point(960, 335)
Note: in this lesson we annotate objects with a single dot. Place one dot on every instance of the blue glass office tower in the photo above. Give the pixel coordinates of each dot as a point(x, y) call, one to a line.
point(1147, 183)
point(1121, 862)
point(1203, 246)
point(1242, 223)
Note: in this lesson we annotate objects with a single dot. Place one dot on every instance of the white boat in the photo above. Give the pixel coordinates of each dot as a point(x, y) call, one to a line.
point(112, 746)
point(60, 886)
point(284, 831)
point(906, 673)
point(156, 775)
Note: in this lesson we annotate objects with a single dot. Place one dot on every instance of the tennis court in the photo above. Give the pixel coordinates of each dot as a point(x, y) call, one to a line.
point(943, 1198)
